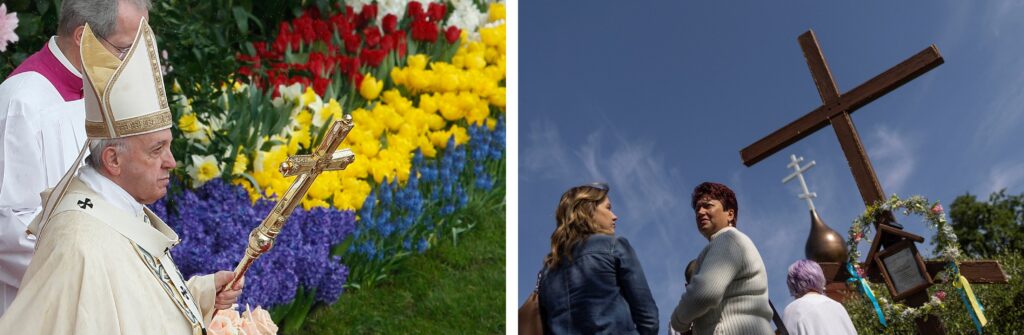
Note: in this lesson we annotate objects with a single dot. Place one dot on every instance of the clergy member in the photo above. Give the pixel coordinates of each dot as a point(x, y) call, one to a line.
point(103, 263)
point(42, 122)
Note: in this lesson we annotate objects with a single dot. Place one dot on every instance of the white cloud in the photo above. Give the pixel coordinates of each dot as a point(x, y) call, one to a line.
point(544, 153)
point(892, 155)
point(1008, 176)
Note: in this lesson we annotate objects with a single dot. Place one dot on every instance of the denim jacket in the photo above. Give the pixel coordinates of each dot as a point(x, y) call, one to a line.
point(602, 290)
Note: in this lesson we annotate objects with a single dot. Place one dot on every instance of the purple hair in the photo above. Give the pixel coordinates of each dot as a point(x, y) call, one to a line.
point(804, 276)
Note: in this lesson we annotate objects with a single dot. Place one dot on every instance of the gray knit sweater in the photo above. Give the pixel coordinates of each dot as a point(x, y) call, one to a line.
point(729, 291)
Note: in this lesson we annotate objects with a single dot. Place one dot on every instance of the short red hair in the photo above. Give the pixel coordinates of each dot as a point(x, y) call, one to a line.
point(718, 192)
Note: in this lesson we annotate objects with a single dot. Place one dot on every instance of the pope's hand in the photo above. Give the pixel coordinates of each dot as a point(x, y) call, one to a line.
point(227, 297)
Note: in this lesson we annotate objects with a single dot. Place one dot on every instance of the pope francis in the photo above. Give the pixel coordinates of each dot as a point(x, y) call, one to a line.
point(102, 263)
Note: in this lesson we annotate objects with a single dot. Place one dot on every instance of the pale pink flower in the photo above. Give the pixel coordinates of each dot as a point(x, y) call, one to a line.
point(222, 324)
point(937, 209)
point(941, 295)
point(8, 22)
point(260, 318)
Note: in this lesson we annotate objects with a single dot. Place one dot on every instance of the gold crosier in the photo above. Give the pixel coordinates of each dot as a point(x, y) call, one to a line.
point(307, 168)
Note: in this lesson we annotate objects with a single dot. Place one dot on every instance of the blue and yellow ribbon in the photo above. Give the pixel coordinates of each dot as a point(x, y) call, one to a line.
point(974, 307)
point(863, 283)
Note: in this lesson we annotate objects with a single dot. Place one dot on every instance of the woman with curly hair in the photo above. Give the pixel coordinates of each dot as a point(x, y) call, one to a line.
point(592, 282)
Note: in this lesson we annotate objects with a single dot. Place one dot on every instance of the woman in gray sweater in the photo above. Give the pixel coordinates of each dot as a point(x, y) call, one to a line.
point(729, 290)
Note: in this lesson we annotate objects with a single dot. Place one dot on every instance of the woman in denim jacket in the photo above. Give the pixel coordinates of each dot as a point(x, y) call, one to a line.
point(592, 282)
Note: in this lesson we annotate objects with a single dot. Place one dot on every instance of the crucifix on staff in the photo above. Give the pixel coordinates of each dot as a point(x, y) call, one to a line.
point(891, 242)
point(307, 168)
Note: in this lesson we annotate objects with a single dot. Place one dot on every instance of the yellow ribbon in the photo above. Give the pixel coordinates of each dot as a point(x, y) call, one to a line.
point(977, 311)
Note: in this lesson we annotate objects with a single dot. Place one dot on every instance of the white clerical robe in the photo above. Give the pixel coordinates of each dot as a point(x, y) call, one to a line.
point(99, 269)
point(42, 128)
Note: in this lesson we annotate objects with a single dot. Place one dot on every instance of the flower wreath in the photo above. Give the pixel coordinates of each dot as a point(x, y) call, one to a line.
point(946, 242)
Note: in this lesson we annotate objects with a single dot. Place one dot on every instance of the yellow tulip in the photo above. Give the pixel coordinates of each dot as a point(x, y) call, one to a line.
point(428, 104)
point(495, 12)
point(420, 80)
point(475, 61)
point(461, 135)
point(371, 87)
point(497, 99)
point(417, 61)
point(398, 75)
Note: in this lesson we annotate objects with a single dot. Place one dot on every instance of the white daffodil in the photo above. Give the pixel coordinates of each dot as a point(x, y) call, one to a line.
point(203, 169)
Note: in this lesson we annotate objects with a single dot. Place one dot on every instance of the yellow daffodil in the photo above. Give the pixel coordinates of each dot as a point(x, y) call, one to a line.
point(188, 123)
point(304, 119)
point(331, 111)
point(241, 164)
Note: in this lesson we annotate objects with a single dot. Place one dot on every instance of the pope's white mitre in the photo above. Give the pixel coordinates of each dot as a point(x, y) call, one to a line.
point(123, 98)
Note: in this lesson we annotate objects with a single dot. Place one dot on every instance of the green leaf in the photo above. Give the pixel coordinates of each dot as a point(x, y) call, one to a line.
point(241, 19)
point(28, 24)
point(42, 6)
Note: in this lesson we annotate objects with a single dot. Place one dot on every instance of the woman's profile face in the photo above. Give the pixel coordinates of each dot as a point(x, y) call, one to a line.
point(603, 216)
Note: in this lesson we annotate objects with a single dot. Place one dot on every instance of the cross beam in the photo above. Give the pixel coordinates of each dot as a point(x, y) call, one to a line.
point(836, 110)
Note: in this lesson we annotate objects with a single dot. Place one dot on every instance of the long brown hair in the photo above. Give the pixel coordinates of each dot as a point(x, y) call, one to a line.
point(574, 219)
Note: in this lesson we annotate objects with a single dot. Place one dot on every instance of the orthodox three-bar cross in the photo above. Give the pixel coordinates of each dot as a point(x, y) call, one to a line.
point(307, 168)
point(835, 110)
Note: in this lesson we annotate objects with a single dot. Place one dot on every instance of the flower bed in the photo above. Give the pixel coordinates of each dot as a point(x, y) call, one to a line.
point(424, 83)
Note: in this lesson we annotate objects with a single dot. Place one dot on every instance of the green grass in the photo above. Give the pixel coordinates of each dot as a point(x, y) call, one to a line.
point(450, 289)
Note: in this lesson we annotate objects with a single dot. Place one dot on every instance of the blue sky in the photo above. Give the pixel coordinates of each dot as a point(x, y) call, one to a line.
point(655, 97)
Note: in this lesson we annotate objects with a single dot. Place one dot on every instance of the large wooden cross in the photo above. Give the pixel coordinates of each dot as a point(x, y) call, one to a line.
point(835, 110)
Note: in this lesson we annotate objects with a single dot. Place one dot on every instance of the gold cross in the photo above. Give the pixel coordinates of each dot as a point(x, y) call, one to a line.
point(307, 168)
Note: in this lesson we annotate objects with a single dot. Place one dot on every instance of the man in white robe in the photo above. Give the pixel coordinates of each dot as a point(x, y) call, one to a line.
point(103, 263)
point(42, 123)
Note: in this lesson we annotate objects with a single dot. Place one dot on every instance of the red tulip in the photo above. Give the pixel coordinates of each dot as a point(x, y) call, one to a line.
point(436, 11)
point(390, 23)
point(452, 34)
point(424, 31)
point(415, 10)
point(372, 36)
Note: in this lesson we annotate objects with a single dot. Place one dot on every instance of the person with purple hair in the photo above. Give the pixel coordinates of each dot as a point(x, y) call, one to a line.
point(728, 293)
point(813, 312)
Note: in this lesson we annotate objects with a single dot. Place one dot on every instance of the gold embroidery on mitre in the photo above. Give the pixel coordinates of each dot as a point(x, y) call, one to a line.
point(96, 129)
point(154, 63)
point(145, 123)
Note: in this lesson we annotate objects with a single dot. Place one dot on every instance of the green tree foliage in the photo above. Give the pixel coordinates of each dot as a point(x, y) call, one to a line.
point(986, 229)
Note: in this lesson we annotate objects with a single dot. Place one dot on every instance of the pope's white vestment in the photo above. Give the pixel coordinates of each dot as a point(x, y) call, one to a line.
point(42, 128)
point(99, 268)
